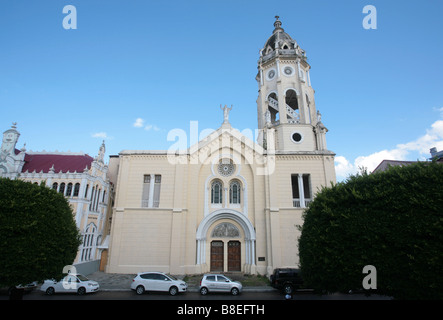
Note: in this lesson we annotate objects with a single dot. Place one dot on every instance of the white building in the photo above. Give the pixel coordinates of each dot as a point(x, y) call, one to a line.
point(83, 180)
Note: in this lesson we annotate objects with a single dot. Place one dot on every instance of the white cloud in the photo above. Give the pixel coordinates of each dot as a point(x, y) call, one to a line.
point(432, 138)
point(152, 127)
point(419, 147)
point(139, 123)
point(343, 167)
point(102, 135)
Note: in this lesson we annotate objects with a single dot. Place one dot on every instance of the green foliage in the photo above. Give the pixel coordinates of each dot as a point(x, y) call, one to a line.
point(38, 234)
point(392, 220)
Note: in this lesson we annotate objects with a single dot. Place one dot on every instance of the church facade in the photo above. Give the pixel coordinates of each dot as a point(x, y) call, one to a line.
point(227, 203)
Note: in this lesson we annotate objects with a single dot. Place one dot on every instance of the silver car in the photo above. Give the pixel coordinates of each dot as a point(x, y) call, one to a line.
point(157, 281)
point(219, 283)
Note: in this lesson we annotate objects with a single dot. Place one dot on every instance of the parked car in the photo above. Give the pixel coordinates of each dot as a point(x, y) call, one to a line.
point(26, 288)
point(157, 281)
point(286, 279)
point(219, 283)
point(77, 283)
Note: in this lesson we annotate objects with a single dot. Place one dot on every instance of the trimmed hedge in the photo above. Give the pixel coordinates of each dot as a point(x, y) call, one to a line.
point(392, 220)
point(38, 234)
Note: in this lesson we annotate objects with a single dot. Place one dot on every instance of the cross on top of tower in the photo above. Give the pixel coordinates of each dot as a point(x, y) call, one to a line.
point(277, 24)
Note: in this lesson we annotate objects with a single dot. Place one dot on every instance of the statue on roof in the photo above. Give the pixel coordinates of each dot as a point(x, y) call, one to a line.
point(226, 113)
point(101, 153)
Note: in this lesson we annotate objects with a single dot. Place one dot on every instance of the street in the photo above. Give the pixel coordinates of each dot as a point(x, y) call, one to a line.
point(250, 296)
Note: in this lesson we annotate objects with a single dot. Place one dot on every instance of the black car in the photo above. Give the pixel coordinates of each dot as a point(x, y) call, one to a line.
point(286, 279)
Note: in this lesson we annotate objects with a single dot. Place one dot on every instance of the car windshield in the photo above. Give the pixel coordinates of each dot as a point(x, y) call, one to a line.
point(82, 277)
point(172, 277)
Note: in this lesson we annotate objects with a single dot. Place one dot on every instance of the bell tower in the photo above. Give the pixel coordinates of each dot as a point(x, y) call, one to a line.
point(286, 98)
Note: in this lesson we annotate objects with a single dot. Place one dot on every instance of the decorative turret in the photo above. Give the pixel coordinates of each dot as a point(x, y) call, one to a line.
point(10, 138)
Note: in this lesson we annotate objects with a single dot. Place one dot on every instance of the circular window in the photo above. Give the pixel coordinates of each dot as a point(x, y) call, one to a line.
point(296, 137)
point(288, 71)
point(226, 167)
point(271, 74)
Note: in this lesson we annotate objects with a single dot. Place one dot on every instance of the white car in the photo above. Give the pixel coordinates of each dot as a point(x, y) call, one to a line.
point(76, 283)
point(157, 281)
point(219, 283)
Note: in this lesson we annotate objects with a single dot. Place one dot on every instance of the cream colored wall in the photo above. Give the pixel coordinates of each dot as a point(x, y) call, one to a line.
point(284, 141)
point(320, 168)
point(130, 181)
point(141, 240)
point(164, 238)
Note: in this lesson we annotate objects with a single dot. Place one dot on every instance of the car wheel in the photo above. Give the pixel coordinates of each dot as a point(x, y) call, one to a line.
point(140, 290)
point(81, 291)
point(173, 291)
point(288, 289)
point(204, 291)
point(50, 291)
point(234, 291)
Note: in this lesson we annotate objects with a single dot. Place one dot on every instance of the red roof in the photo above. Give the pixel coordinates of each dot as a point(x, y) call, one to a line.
point(61, 162)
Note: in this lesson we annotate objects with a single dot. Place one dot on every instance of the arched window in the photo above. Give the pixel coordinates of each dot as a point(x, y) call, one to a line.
point(86, 191)
point(88, 242)
point(273, 107)
point(69, 189)
point(55, 186)
point(76, 189)
point(293, 112)
point(234, 192)
point(92, 199)
point(62, 188)
point(216, 192)
point(226, 230)
point(291, 99)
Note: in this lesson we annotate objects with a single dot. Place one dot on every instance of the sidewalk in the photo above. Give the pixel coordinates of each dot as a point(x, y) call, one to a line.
point(122, 282)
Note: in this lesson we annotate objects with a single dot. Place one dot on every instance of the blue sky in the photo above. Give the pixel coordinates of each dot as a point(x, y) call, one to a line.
point(380, 91)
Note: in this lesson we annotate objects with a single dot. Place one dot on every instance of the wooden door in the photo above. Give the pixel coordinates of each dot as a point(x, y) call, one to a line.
point(234, 256)
point(103, 260)
point(217, 256)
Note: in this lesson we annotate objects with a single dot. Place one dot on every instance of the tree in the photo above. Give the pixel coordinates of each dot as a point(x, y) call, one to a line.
point(38, 234)
point(391, 220)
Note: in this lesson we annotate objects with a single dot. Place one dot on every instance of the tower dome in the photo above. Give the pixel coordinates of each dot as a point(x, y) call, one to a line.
point(279, 39)
point(280, 43)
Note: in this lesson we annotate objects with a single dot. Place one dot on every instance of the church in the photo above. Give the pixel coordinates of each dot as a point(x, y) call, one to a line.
point(227, 203)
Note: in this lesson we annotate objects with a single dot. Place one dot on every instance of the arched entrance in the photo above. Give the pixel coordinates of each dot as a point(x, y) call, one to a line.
point(226, 242)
